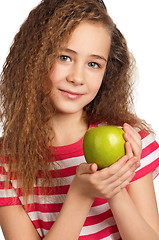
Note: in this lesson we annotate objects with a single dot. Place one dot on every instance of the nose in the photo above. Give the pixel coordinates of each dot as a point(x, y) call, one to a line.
point(76, 75)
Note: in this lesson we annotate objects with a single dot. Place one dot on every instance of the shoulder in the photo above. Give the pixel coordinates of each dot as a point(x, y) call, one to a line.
point(149, 156)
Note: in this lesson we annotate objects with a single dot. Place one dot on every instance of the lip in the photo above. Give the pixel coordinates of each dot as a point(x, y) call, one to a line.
point(71, 95)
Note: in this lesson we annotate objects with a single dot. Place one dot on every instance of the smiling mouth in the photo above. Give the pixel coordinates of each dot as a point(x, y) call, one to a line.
point(71, 95)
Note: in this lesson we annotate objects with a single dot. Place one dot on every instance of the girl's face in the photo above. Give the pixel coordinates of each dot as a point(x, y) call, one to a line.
point(78, 72)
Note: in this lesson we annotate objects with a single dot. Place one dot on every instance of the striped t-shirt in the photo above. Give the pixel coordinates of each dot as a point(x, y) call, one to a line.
point(43, 211)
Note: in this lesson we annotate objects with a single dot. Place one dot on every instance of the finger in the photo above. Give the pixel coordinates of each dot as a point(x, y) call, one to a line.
point(130, 131)
point(129, 128)
point(93, 167)
point(136, 146)
point(128, 180)
point(85, 168)
point(125, 175)
point(128, 149)
point(131, 165)
point(118, 185)
point(124, 172)
point(134, 139)
point(109, 172)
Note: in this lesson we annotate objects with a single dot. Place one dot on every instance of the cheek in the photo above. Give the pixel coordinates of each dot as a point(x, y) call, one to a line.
point(55, 74)
point(51, 75)
point(95, 85)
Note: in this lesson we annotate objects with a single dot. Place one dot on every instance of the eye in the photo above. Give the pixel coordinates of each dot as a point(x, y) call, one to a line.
point(93, 65)
point(65, 58)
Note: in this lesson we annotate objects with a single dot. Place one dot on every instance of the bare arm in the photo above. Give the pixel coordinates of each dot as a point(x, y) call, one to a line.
point(87, 184)
point(135, 211)
point(16, 224)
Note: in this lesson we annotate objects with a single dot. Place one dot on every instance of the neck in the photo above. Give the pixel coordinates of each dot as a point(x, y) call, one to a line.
point(67, 128)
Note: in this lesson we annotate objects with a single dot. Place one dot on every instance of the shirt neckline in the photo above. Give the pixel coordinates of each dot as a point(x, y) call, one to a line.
point(73, 147)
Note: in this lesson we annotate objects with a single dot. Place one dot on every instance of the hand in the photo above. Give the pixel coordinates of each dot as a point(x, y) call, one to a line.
point(134, 143)
point(107, 182)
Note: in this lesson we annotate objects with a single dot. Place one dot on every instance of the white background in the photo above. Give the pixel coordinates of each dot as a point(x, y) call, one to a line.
point(137, 20)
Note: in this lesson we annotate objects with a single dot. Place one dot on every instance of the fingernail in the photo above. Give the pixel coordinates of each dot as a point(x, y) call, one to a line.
point(126, 124)
point(137, 163)
point(126, 135)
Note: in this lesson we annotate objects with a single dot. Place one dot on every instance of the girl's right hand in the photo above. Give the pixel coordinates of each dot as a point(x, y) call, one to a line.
point(105, 183)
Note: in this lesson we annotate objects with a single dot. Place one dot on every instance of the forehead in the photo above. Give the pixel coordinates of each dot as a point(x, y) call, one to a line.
point(89, 37)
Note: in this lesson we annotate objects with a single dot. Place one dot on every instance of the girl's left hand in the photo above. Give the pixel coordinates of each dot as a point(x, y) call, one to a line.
point(133, 142)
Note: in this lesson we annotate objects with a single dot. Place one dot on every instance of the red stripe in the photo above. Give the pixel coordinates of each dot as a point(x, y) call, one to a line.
point(145, 170)
point(101, 234)
point(56, 207)
point(41, 224)
point(48, 190)
point(2, 185)
point(66, 172)
point(44, 208)
point(63, 156)
point(6, 201)
point(149, 149)
point(143, 134)
point(99, 201)
point(52, 190)
point(2, 171)
point(70, 151)
point(98, 218)
point(4, 160)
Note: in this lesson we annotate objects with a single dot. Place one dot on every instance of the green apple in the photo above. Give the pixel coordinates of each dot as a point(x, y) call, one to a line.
point(104, 145)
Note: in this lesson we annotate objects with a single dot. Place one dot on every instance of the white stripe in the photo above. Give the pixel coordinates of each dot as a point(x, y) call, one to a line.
point(98, 209)
point(69, 162)
point(48, 216)
point(155, 172)
point(149, 159)
point(64, 181)
point(50, 199)
point(62, 164)
point(45, 231)
point(3, 178)
point(39, 230)
point(5, 165)
point(114, 236)
point(147, 140)
point(7, 193)
point(97, 227)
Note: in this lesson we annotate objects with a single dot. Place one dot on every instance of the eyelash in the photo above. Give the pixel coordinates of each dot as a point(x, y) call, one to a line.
point(64, 58)
point(95, 64)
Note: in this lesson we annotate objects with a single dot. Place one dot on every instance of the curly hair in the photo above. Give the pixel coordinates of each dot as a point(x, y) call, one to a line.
point(25, 102)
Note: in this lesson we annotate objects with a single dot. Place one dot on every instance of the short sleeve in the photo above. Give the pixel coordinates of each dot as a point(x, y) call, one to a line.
point(7, 196)
point(149, 157)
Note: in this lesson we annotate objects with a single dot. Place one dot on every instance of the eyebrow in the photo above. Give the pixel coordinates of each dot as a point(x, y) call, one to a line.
point(92, 55)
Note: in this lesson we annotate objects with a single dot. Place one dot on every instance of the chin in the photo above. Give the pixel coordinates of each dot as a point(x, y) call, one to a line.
point(69, 110)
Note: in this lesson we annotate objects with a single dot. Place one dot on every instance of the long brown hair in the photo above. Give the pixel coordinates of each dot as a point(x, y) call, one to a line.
point(25, 88)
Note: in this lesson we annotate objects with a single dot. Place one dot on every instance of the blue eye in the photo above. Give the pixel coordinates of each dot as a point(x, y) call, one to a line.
point(93, 65)
point(64, 58)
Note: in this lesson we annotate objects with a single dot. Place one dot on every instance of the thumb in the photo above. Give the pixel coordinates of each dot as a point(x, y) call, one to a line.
point(85, 168)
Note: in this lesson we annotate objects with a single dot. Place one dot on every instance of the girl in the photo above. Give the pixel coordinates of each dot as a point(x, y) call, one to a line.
point(69, 69)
